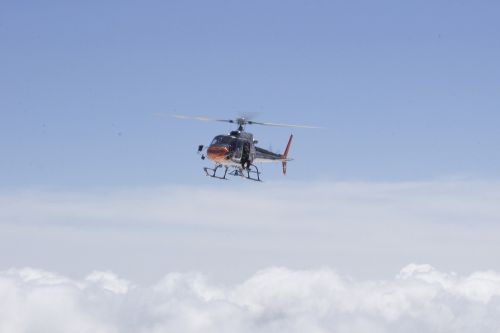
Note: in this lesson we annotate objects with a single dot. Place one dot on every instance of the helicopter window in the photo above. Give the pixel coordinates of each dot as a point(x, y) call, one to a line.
point(222, 140)
point(238, 147)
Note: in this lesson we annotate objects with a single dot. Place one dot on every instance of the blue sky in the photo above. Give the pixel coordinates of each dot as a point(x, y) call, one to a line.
point(405, 90)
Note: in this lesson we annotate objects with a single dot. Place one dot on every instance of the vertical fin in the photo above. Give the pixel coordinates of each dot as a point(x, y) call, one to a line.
point(285, 154)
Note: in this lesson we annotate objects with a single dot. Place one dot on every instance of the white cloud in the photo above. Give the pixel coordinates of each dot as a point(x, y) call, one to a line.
point(367, 230)
point(419, 299)
point(109, 281)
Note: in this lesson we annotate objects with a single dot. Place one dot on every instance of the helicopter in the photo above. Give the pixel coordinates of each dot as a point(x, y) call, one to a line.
point(236, 153)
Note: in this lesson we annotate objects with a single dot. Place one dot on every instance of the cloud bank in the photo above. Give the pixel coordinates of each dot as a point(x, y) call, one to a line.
point(265, 204)
point(419, 299)
point(364, 229)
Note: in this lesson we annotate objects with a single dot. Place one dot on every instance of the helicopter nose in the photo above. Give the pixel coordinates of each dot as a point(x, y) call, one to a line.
point(217, 153)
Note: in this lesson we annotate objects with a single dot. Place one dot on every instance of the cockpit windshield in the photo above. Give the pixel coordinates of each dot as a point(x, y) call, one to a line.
point(223, 140)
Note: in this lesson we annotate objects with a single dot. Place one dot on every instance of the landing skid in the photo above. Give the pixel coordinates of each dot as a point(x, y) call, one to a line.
point(213, 172)
point(251, 173)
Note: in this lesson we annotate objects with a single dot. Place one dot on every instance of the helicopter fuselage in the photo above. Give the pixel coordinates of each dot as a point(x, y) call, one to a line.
point(232, 149)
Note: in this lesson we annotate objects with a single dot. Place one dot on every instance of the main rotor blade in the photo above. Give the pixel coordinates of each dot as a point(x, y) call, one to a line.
point(198, 118)
point(240, 121)
point(281, 125)
point(178, 116)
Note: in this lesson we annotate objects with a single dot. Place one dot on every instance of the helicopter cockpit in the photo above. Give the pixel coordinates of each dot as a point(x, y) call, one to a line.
point(223, 140)
point(233, 144)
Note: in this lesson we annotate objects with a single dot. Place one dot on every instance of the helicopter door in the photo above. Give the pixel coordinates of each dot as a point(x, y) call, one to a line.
point(238, 151)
